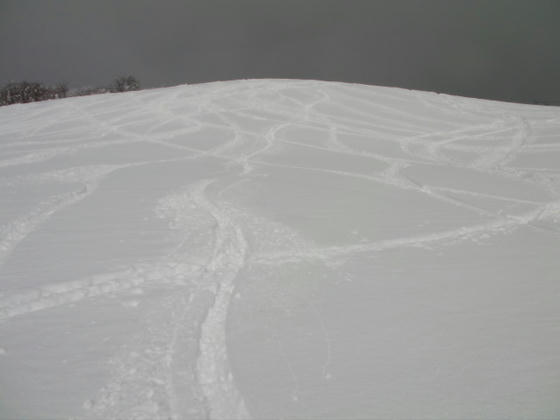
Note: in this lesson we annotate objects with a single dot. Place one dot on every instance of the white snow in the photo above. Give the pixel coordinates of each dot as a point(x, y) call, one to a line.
point(279, 249)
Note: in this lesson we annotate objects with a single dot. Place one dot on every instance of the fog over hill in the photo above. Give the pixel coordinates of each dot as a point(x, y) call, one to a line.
point(279, 249)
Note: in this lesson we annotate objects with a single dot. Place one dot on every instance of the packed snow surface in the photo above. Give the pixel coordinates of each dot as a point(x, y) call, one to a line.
point(279, 249)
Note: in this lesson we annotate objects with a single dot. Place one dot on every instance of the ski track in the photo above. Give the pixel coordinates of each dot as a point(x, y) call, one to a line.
point(227, 259)
point(146, 382)
point(12, 234)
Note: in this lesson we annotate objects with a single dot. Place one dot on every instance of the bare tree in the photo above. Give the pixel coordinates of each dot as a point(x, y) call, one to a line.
point(125, 84)
point(23, 92)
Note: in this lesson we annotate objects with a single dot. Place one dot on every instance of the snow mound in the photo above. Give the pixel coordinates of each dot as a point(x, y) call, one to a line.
point(279, 249)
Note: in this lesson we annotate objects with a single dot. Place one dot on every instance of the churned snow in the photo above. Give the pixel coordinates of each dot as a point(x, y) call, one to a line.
point(279, 249)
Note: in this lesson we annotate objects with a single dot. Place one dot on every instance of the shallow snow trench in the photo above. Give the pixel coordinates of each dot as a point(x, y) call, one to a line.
point(279, 249)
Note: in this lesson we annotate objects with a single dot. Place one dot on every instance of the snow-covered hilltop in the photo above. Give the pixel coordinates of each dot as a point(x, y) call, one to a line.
point(279, 249)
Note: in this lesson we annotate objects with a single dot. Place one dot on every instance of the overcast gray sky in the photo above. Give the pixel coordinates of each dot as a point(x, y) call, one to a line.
point(495, 49)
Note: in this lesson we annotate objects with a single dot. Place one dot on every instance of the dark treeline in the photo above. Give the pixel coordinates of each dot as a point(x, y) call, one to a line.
point(25, 92)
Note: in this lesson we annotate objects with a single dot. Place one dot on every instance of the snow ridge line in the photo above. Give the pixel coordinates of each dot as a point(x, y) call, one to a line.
point(228, 258)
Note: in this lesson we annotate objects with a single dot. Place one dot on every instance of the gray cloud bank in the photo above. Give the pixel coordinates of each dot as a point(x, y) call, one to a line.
point(505, 50)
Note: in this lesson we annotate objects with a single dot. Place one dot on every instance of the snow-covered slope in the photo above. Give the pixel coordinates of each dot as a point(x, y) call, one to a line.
point(279, 249)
